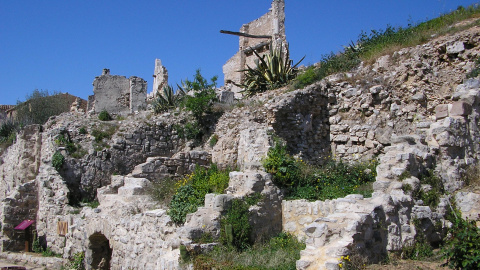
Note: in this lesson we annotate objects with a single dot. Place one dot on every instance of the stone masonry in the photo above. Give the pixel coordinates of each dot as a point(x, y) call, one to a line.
point(117, 94)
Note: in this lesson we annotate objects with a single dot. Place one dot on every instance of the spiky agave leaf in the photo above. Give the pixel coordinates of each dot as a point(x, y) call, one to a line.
point(272, 71)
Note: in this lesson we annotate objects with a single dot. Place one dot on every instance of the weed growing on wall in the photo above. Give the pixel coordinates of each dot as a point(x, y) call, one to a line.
point(190, 192)
point(57, 161)
point(333, 180)
point(104, 116)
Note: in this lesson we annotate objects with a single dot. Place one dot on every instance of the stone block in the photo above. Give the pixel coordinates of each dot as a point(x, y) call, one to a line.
point(456, 48)
point(460, 108)
point(441, 111)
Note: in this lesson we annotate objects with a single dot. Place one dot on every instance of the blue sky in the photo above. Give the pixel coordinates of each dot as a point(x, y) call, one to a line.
point(60, 45)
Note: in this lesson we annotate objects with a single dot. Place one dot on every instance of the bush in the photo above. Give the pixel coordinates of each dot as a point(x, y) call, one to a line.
point(77, 263)
point(40, 105)
point(334, 179)
point(162, 191)
point(104, 116)
point(279, 253)
point(213, 140)
point(235, 227)
point(57, 161)
point(191, 191)
point(82, 131)
point(184, 201)
point(462, 246)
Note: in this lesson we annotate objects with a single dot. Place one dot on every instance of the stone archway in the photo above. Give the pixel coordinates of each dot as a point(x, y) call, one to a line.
point(99, 252)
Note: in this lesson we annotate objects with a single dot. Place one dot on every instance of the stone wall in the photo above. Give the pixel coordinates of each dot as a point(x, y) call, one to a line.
point(117, 94)
point(19, 206)
point(156, 168)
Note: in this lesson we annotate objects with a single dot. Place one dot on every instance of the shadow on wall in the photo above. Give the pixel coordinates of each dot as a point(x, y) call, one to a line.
point(99, 252)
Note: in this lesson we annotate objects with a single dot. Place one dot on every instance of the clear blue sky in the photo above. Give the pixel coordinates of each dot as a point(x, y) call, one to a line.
point(61, 45)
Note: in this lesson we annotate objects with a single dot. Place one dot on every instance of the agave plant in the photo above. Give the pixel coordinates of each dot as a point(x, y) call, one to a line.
point(168, 99)
point(272, 71)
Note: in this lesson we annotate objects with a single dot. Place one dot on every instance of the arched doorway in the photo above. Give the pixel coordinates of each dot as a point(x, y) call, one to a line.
point(99, 252)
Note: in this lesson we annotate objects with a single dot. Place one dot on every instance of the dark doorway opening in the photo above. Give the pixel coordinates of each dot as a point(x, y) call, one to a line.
point(100, 252)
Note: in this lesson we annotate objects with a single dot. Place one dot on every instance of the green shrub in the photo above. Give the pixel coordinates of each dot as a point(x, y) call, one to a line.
point(36, 247)
point(40, 105)
point(77, 262)
point(462, 246)
point(279, 253)
point(183, 202)
point(104, 116)
point(281, 165)
point(191, 191)
point(100, 134)
point(235, 228)
point(82, 130)
point(201, 103)
point(213, 140)
point(334, 179)
point(8, 133)
point(57, 161)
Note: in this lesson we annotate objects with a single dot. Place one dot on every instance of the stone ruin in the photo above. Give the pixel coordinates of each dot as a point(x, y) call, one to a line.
point(258, 35)
point(160, 78)
point(413, 110)
point(117, 94)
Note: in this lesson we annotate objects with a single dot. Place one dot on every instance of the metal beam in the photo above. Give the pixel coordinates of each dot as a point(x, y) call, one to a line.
point(244, 35)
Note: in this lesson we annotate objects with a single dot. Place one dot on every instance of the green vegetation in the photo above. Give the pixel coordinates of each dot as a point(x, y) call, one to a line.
point(8, 133)
point(104, 116)
point(280, 253)
point(429, 197)
point(462, 245)
point(58, 160)
point(83, 130)
point(213, 140)
point(333, 180)
point(475, 71)
point(272, 71)
point(77, 262)
point(381, 42)
point(37, 248)
point(190, 192)
point(39, 106)
point(420, 249)
point(235, 228)
point(100, 133)
point(92, 204)
point(169, 100)
point(162, 191)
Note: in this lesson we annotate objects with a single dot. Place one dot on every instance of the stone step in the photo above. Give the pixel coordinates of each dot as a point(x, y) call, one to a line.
point(131, 190)
point(134, 182)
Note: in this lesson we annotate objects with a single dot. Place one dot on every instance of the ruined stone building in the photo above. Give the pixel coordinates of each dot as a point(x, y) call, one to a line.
point(117, 94)
point(160, 78)
point(257, 35)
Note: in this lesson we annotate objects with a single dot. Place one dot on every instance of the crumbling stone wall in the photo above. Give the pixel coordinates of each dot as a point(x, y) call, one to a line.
point(19, 206)
point(117, 94)
point(160, 78)
point(270, 24)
